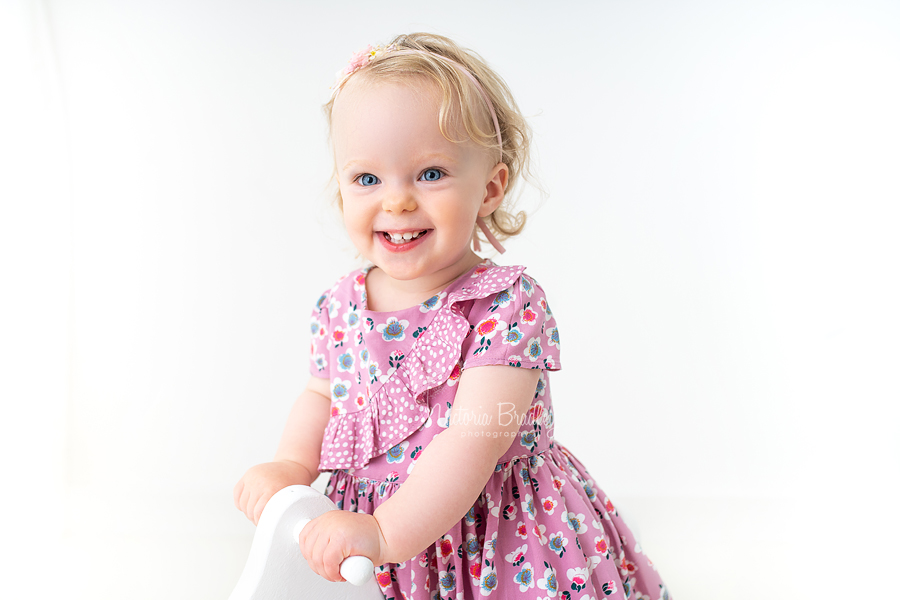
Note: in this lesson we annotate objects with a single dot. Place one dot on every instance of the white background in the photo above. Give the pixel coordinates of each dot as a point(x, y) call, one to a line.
point(719, 244)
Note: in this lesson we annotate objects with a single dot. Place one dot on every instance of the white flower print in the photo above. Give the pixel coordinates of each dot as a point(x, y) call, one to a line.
point(574, 521)
point(525, 578)
point(538, 530)
point(494, 509)
point(394, 330)
point(433, 303)
point(333, 306)
point(553, 337)
point(521, 530)
point(548, 504)
point(512, 336)
point(489, 327)
point(345, 362)
point(502, 299)
point(518, 555)
point(545, 307)
point(548, 582)
point(533, 350)
point(352, 317)
point(526, 286)
point(528, 506)
point(338, 336)
point(340, 390)
point(527, 315)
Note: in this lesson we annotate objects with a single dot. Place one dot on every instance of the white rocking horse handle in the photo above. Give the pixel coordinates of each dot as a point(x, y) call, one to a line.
point(355, 569)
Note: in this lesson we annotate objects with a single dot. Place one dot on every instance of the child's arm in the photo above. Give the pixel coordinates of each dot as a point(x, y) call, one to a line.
point(443, 486)
point(297, 458)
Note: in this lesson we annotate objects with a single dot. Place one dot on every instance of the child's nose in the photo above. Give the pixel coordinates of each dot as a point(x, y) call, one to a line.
point(398, 201)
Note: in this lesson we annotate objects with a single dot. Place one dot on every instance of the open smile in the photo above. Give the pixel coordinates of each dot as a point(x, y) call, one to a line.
point(401, 241)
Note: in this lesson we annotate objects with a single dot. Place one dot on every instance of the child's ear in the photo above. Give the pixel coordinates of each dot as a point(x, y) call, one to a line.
point(495, 190)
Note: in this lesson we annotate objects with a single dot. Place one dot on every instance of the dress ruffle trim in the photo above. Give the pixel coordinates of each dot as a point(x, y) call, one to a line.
point(397, 409)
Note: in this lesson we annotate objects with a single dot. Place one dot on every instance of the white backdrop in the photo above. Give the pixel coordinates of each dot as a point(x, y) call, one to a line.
point(726, 171)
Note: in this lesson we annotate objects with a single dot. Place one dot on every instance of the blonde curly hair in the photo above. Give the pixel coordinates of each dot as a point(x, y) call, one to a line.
point(461, 104)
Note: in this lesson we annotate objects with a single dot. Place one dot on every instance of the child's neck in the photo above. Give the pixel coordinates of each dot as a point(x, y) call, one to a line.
point(386, 294)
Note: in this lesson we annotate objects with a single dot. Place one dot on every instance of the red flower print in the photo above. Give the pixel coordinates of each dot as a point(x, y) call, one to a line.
point(487, 326)
point(384, 579)
point(475, 570)
point(600, 545)
point(446, 548)
point(627, 567)
point(528, 316)
point(558, 483)
point(521, 530)
point(609, 506)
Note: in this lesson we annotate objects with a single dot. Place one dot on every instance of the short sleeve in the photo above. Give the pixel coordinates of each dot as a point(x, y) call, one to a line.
point(513, 327)
point(320, 336)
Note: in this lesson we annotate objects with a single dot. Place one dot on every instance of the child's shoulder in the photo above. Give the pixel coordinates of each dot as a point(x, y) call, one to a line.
point(349, 288)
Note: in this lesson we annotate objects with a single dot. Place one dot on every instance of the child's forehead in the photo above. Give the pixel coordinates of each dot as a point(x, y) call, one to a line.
point(364, 91)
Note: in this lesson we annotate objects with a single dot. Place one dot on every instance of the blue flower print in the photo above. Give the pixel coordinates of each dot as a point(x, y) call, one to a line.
point(314, 328)
point(448, 582)
point(397, 453)
point(352, 317)
point(394, 330)
point(321, 301)
point(525, 578)
point(345, 362)
point(471, 546)
point(575, 522)
point(340, 390)
point(333, 306)
point(432, 303)
point(528, 506)
point(553, 337)
point(513, 335)
point(534, 350)
point(320, 361)
point(591, 494)
point(364, 355)
point(548, 581)
point(541, 387)
point(529, 440)
point(558, 543)
point(502, 300)
point(374, 372)
point(526, 287)
point(488, 582)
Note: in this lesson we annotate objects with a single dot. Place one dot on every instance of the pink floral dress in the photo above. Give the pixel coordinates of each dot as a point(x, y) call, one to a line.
point(541, 528)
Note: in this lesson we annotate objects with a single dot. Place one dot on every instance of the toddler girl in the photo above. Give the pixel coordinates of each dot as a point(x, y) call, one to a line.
point(429, 400)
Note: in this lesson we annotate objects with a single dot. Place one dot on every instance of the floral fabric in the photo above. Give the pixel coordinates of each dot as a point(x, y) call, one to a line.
point(540, 528)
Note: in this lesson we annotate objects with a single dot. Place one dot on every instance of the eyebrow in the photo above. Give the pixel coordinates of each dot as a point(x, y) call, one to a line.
point(434, 157)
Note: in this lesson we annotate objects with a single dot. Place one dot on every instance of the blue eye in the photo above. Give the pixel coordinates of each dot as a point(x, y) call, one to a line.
point(368, 179)
point(431, 175)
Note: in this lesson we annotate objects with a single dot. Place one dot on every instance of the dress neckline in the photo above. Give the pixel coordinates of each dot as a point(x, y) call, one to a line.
point(364, 299)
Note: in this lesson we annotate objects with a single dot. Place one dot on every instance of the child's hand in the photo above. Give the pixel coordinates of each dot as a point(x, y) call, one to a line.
point(330, 538)
point(261, 482)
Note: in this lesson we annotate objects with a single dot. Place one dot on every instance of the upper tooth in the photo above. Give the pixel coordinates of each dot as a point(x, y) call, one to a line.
point(408, 235)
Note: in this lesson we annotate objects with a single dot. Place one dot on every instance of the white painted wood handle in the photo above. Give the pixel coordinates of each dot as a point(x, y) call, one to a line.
point(355, 569)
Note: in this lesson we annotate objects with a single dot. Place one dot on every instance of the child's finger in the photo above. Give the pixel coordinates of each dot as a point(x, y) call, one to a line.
point(246, 495)
point(331, 561)
point(238, 490)
point(258, 507)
